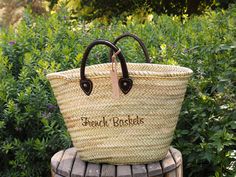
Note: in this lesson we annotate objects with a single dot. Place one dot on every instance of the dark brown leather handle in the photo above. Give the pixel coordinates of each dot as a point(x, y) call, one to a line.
point(137, 39)
point(125, 83)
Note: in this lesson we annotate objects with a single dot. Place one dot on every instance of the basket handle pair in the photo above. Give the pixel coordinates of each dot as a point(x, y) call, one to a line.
point(125, 83)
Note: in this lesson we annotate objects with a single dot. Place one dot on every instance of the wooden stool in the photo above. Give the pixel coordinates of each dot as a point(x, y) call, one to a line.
point(66, 163)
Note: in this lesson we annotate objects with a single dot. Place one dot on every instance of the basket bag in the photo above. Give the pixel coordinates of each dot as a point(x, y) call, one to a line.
point(120, 113)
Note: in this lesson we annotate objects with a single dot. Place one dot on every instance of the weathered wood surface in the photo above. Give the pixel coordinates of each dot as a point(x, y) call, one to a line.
point(79, 167)
point(93, 170)
point(67, 160)
point(171, 174)
point(55, 175)
point(55, 160)
point(168, 163)
point(66, 163)
point(179, 171)
point(176, 155)
point(108, 170)
point(154, 169)
point(139, 171)
point(124, 171)
point(178, 161)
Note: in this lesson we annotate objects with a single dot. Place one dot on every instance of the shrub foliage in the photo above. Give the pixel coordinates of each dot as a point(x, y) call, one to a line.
point(110, 8)
point(32, 128)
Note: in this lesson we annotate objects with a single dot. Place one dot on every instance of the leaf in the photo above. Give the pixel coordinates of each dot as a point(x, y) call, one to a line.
point(79, 57)
point(27, 58)
point(6, 147)
point(44, 121)
point(217, 174)
point(208, 156)
point(2, 124)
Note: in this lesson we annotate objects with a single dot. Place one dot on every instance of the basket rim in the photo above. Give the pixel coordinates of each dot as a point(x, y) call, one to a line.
point(92, 71)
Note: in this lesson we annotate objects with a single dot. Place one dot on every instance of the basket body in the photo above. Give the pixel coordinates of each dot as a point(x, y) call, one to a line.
point(135, 128)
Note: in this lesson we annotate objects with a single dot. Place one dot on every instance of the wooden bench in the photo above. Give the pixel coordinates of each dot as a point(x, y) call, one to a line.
point(66, 163)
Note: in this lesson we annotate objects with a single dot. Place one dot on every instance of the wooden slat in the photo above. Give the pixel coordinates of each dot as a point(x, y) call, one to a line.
point(52, 173)
point(79, 167)
point(154, 169)
point(93, 170)
point(108, 170)
point(124, 171)
point(179, 171)
point(139, 171)
point(168, 163)
point(177, 156)
point(66, 162)
point(55, 160)
point(171, 174)
point(55, 175)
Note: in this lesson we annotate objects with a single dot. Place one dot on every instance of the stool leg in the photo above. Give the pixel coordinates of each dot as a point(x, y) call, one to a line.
point(171, 174)
point(53, 174)
point(179, 171)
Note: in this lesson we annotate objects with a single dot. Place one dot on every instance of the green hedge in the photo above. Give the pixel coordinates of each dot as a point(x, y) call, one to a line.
point(112, 8)
point(174, 7)
point(32, 128)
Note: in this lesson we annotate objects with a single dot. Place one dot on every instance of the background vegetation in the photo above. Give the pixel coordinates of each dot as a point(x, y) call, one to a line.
point(11, 10)
point(112, 8)
point(31, 126)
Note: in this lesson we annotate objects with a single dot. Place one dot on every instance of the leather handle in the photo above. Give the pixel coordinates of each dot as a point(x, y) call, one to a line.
point(138, 40)
point(125, 83)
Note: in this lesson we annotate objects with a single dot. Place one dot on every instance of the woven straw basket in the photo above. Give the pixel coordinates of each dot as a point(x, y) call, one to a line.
point(135, 128)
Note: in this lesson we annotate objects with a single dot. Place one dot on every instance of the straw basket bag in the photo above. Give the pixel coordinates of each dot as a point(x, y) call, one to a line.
point(121, 114)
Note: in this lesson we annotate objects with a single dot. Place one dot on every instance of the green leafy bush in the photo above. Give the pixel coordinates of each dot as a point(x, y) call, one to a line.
point(32, 128)
point(112, 8)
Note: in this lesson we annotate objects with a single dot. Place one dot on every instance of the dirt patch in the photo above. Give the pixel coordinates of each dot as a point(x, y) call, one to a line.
point(10, 13)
